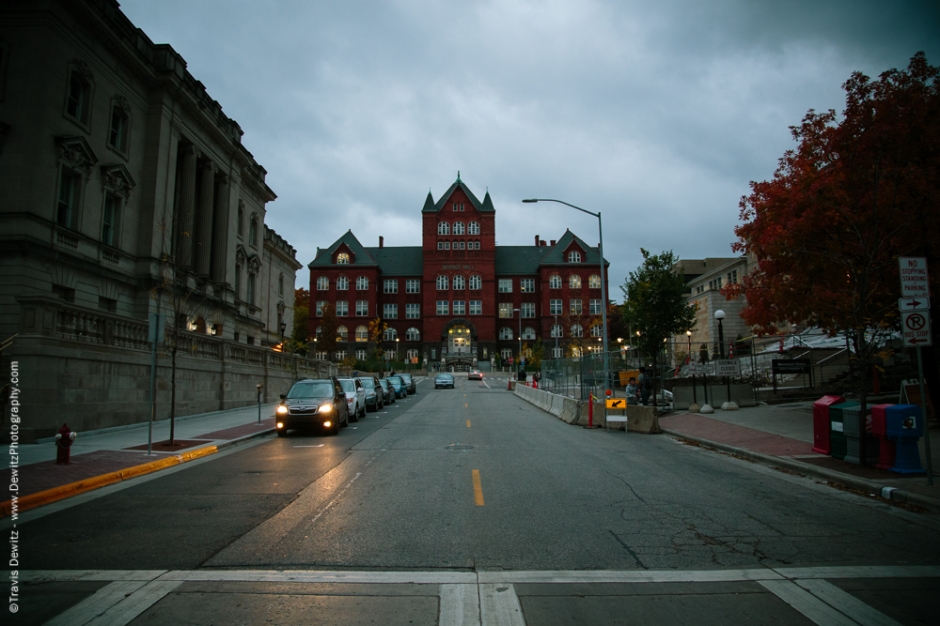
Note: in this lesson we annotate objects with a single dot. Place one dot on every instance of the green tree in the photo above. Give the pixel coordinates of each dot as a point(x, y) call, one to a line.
point(327, 337)
point(377, 329)
point(301, 331)
point(655, 303)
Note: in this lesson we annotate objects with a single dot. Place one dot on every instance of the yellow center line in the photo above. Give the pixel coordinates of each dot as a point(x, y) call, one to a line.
point(468, 423)
point(477, 488)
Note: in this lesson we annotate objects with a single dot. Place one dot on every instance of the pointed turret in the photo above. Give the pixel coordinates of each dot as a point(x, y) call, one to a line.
point(429, 204)
point(487, 203)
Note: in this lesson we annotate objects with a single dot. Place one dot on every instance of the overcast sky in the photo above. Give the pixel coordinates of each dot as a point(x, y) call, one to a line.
point(656, 114)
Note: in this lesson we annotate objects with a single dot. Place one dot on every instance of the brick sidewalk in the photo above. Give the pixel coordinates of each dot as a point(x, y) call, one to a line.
point(733, 435)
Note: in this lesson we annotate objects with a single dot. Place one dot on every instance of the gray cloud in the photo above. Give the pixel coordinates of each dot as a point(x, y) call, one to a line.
point(656, 114)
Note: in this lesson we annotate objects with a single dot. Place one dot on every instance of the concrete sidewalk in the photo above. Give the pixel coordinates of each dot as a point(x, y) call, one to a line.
point(782, 436)
point(104, 457)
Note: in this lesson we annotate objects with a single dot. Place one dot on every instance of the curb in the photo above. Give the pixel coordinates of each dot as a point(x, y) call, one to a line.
point(845, 480)
point(62, 492)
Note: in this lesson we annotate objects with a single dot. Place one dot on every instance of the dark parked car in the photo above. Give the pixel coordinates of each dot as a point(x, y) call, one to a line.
point(375, 397)
point(313, 402)
point(409, 382)
point(401, 390)
point(389, 392)
point(444, 380)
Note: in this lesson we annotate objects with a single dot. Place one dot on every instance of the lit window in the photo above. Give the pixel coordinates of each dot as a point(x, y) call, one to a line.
point(527, 285)
point(342, 258)
point(575, 306)
point(594, 281)
point(362, 333)
point(574, 281)
point(323, 283)
point(505, 309)
point(342, 333)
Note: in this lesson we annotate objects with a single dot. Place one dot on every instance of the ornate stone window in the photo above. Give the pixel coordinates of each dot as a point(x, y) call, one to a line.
point(120, 126)
point(76, 159)
point(117, 185)
point(79, 91)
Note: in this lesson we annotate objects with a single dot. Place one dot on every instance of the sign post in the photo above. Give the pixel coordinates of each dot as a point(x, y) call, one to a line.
point(915, 327)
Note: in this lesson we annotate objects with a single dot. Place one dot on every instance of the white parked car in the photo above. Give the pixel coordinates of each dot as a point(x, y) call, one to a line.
point(355, 398)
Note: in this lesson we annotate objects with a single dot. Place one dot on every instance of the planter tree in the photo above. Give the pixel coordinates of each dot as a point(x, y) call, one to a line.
point(655, 304)
point(859, 191)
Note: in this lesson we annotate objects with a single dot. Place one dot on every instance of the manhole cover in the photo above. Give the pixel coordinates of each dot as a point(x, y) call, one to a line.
point(460, 446)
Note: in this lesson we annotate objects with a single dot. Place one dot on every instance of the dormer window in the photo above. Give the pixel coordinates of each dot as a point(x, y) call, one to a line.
point(342, 258)
point(574, 256)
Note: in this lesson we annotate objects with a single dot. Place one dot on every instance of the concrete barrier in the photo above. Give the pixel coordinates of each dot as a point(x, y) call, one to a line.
point(742, 394)
point(555, 408)
point(640, 419)
point(570, 410)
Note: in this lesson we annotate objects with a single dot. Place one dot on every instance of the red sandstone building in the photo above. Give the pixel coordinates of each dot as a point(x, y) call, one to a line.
point(458, 299)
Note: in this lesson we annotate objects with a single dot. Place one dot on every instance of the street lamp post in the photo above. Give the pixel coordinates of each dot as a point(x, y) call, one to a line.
point(695, 406)
point(728, 405)
point(600, 250)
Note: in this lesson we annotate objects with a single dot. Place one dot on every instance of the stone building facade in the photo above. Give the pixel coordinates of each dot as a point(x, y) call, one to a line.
point(120, 175)
point(458, 299)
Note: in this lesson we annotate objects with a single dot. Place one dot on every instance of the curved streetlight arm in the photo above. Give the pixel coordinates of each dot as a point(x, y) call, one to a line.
point(600, 250)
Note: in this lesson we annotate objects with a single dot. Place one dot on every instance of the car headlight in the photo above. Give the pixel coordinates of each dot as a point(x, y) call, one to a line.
point(281, 409)
point(325, 408)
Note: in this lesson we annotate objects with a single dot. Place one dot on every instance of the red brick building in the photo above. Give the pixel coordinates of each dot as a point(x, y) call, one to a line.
point(458, 299)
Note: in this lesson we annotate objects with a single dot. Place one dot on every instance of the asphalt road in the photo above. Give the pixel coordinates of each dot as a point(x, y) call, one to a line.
point(446, 501)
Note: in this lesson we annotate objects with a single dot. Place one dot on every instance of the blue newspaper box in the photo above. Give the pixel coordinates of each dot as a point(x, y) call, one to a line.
point(904, 425)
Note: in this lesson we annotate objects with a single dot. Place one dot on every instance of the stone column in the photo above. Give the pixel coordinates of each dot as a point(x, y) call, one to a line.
point(202, 244)
point(185, 210)
point(220, 229)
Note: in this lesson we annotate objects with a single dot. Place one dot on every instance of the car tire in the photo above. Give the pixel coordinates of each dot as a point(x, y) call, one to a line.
point(362, 414)
point(282, 432)
point(353, 418)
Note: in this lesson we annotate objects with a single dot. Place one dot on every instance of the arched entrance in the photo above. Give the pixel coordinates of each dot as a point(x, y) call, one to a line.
point(459, 345)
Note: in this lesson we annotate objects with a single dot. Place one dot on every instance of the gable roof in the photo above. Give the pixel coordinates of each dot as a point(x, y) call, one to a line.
point(324, 256)
point(556, 255)
point(434, 207)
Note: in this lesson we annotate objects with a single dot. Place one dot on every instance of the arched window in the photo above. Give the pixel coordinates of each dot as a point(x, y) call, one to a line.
point(574, 256)
point(443, 228)
point(574, 281)
point(594, 281)
point(342, 258)
point(505, 332)
point(528, 333)
point(554, 281)
point(459, 282)
point(390, 334)
point(576, 330)
point(362, 333)
point(362, 283)
point(323, 283)
point(597, 330)
point(458, 228)
point(342, 334)
point(556, 331)
point(473, 228)
point(442, 283)
point(413, 334)
point(476, 282)
point(342, 283)
point(412, 355)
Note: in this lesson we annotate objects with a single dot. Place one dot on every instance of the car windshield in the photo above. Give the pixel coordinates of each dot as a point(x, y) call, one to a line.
point(368, 383)
point(395, 382)
point(311, 389)
point(447, 376)
point(383, 383)
point(349, 385)
point(405, 377)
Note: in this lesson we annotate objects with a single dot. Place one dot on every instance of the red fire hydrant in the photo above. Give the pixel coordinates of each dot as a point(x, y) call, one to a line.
point(63, 443)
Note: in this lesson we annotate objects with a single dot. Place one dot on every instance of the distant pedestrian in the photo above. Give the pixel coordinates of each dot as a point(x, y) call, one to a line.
point(646, 386)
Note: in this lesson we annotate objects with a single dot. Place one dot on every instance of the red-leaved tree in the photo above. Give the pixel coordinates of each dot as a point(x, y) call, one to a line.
point(857, 193)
